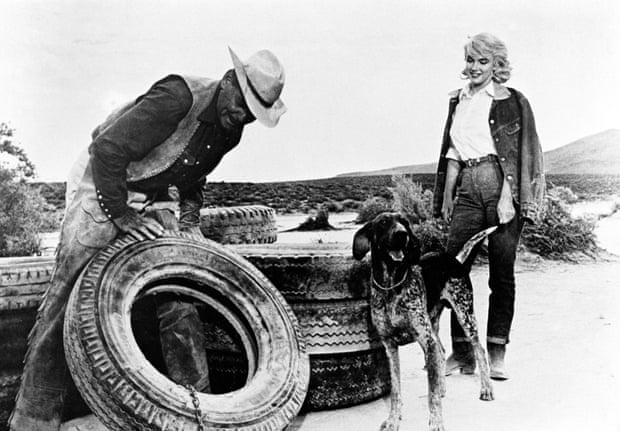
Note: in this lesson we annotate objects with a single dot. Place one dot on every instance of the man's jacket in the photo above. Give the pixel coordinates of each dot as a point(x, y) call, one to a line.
point(169, 136)
point(520, 155)
point(165, 154)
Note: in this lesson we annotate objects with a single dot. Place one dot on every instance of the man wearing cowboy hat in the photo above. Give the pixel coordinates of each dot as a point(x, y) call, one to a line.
point(173, 135)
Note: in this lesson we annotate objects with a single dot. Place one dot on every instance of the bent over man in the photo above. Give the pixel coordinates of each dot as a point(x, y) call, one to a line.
point(174, 134)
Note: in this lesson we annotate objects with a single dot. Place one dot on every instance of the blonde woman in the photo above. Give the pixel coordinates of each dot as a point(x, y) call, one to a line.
point(490, 173)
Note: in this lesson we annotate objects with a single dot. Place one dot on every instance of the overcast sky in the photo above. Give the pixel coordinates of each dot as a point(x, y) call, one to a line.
point(366, 81)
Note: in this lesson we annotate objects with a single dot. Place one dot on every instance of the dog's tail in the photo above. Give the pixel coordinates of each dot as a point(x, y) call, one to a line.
point(469, 245)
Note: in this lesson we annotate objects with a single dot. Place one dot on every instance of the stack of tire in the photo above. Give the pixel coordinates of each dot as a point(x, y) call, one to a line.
point(329, 293)
point(326, 289)
point(22, 284)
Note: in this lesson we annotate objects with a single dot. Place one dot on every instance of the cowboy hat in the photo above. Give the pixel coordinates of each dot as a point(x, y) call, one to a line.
point(261, 79)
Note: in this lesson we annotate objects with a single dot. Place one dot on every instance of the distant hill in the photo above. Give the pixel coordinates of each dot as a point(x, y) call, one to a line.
point(595, 154)
point(427, 168)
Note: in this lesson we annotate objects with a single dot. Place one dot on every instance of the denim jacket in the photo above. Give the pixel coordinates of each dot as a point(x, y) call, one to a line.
point(520, 155)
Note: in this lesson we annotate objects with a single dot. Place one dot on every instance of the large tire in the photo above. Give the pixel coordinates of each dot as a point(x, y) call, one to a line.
point(125, 390)
point(253, 224)
point(329, 293)
point(22, 283)
point(321, 277)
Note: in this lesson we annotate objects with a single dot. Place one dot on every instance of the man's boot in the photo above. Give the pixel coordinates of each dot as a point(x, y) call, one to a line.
point(496, 361)
point(183, 343)
point(462, 358)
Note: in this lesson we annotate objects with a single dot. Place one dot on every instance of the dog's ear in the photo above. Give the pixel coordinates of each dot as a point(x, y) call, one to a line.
point(361, 241)
point(413, 246)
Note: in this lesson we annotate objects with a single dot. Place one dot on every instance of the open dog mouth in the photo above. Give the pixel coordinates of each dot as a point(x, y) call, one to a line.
point(397, 255)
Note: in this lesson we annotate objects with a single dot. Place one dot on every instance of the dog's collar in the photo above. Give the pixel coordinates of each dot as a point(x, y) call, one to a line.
point(376, 283)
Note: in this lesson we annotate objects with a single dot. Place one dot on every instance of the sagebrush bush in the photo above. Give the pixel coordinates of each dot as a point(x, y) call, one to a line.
point(565, 194)
point(333, 206)
point(416, 204)
point(351, 204)
point(409, 198)
point(21, 216)
point(433, 235)
point(372, 207)
point(558, 235)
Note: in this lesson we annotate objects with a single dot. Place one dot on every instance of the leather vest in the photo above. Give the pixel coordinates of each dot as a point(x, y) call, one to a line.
point(164, 155)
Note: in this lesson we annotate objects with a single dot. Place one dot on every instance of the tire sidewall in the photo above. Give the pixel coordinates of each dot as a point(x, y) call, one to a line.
point(126, 391)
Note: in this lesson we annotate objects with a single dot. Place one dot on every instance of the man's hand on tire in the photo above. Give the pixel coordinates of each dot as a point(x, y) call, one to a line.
point(138, 226)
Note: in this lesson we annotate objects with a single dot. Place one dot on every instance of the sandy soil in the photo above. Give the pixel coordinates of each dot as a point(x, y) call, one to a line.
point(563, 357)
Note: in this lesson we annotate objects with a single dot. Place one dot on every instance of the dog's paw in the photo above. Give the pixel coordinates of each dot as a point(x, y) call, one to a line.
point(486, 394)
point(390, 424)
point(436, 426)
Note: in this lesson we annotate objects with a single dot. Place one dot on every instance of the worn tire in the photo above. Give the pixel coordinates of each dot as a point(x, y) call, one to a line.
point(315, 279)
point(22, 283)
point(253, 224)
point(126, 392)
point(328, 290)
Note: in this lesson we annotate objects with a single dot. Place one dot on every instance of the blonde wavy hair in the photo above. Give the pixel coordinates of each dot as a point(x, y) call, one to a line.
point(487, 44)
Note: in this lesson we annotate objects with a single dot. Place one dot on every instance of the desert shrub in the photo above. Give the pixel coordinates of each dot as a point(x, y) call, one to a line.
point(334, 207)
point(416, 203)
point(21, 216)
point(565, 194)
point(372, 207)
point(410, 198)
point(22, 208)
point(559, 235)
point(433, 235)
point(351, 204)
point(317, 221)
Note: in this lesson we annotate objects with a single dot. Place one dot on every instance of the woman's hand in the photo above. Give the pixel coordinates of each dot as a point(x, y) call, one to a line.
point(447, 208)
point(505, 207)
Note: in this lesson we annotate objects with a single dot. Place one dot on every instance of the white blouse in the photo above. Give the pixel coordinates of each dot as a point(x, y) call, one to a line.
point(470, 132)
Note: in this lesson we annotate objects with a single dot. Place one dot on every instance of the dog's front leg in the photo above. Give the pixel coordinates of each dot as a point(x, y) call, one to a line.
point(435, 370)
point(392, 423)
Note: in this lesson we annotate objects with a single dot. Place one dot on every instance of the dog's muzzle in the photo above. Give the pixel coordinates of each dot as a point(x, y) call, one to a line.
point(398, 243)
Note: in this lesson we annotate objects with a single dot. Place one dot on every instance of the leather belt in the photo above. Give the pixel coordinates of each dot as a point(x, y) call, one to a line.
point(475, 162)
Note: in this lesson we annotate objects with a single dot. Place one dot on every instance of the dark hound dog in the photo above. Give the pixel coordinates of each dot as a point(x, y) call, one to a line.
point(407, 296)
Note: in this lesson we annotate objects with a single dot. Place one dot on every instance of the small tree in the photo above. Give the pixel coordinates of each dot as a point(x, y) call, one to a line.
point(21, 206)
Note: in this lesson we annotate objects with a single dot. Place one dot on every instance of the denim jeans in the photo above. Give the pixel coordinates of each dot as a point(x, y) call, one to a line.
point(45, 379)
point(478, 192)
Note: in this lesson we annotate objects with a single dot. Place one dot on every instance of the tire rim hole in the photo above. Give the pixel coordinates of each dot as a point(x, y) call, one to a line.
point(231, 357)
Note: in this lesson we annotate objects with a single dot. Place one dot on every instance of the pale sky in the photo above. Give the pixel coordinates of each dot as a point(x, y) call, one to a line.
point(366, 81)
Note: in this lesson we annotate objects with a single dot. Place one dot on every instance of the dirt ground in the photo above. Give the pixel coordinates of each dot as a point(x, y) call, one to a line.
point(564, 356)
point(562, 359)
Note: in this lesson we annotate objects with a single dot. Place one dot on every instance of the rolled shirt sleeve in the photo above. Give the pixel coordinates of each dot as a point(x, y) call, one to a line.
point(453, 154)
point(144, 126)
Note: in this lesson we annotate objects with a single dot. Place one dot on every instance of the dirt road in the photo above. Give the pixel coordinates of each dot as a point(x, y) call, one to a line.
point(563, 360)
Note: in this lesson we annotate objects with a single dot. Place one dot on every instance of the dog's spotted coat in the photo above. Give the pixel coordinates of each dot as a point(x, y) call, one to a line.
point(405, 308)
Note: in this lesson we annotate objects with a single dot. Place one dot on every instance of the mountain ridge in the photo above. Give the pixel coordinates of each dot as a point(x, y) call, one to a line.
point(593, 154)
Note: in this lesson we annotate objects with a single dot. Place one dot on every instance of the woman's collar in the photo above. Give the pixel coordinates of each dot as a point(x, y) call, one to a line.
point(501, 92)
